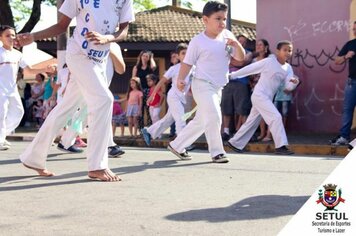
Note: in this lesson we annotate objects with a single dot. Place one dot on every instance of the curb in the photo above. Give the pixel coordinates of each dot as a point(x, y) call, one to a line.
point(299, 149)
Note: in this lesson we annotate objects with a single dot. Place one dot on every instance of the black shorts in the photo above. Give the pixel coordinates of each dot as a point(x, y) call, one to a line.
point(236, 99)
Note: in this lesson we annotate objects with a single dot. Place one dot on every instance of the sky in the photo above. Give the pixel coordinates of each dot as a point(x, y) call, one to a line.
point(244, 10)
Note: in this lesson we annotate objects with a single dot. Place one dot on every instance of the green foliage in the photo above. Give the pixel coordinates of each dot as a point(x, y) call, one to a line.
point(141, 5)
point(20, 9)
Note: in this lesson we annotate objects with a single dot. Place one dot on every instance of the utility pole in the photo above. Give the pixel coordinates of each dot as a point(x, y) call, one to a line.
point(61, 41)
point(228, 20)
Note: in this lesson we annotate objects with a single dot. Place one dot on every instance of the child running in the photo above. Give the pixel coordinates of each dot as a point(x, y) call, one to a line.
point(134, 104)
point(11, 109)
point(175, 99)
point(210, 51)
point(274, 71)
point(98, 24)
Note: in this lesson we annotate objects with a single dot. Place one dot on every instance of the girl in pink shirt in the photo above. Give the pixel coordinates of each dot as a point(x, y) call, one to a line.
point(134, 104)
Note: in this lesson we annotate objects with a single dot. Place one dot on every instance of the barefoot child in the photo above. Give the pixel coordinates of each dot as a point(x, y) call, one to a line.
point(210, 51)
point(98, 24)
point(11, 109)
point(274, 71)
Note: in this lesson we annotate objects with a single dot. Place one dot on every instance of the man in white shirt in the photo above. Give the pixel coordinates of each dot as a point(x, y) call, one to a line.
point(99, 23)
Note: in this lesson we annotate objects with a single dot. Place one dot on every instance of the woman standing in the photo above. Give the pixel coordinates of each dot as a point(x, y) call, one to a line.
point(145, 65)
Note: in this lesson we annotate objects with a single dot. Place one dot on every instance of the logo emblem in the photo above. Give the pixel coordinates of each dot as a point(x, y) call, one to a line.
point(330, 197)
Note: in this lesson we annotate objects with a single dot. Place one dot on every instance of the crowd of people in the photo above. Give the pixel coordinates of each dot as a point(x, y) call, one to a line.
point(236, 91)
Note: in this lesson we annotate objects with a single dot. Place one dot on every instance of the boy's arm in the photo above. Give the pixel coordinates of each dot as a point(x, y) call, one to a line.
point(239, 52)
point(183, 73)
point(254, 68)
point(54, 30)
point(117, 59)
point(247, 60)
point(31, 70)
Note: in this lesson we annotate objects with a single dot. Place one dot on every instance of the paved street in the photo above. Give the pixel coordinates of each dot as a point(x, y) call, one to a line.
point(252, 195)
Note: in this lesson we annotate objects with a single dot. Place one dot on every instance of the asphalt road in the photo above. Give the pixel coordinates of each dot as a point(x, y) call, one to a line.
point(252, 195)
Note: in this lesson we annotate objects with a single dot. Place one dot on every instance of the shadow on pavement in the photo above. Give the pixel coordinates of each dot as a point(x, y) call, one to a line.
point(259, 207)
point(156, 165)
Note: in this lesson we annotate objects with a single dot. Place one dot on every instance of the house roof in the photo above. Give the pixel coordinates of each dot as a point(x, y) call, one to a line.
point(174, 24)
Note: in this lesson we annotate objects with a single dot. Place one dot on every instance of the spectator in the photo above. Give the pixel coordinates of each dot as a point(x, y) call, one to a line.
point(49, 94)
point(118, 116)
point(154, 101)
point(262, 51)
point(145, 65)
point(38, 110)
point(347, 54)
point(134, 104)
point(235, 101)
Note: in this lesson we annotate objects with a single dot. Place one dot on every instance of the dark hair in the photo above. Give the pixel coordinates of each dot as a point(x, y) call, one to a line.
point(214, 6)
point(280, 44)
point(180, 47)
point(42, 76)
point(139, 61)
point(5, 27)
point(138, 85)
point(266, 44)
point(152, 77)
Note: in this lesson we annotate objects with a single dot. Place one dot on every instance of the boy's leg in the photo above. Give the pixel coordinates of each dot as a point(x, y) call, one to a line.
point(274, 121)
point(246, 131)
point(14, 113)
point(92, 83)
point(4, 106)
point(177, 111)
point(207, 119)
point(35, 154)
point(156, 129)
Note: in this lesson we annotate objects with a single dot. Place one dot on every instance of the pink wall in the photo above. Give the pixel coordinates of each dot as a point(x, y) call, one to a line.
point(318, 30)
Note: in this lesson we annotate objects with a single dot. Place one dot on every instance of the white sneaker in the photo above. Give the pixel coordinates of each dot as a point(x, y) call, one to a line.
point(3, 147)
point(339, 141)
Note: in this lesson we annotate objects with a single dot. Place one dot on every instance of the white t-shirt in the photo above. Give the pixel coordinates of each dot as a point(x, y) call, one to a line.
point(211, 57)
point(102, 16)
point(62, 79)
point(273, 74)
point(10, 60)
point(172, 73)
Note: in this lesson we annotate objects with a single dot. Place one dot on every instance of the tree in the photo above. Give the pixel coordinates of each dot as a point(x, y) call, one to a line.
point(13, 11)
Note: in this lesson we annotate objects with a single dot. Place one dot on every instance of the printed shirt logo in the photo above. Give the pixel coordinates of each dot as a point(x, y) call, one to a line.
point(330, 197)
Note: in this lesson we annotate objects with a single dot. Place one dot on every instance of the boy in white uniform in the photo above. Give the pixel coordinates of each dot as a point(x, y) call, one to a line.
point(210, 51)
point(274, 71)
point(175, 99)
point(87, 52)
point(11, 109)
point(115, 62)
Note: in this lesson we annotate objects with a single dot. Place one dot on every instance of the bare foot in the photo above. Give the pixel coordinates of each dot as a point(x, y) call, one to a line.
point(103, 175)
point(41, 172)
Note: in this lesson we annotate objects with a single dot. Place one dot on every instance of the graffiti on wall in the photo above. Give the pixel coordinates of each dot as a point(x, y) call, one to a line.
point(315, 62)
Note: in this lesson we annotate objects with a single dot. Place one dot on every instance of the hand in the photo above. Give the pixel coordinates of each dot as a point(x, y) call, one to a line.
point(349, 54)
point(149, 100)
point(96, 38)
point(232, 42)
point(50, 69)
point(181, 85)
point(24, 39)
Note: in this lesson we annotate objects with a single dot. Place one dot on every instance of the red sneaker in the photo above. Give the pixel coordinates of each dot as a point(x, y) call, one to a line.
point(80, 143)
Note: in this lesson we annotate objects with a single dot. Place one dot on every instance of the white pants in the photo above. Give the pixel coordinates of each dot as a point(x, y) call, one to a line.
point(11, 112)
point(154, 113)
point(88, 83)
point(207, 119)
point(174, 114)
point(261, 107)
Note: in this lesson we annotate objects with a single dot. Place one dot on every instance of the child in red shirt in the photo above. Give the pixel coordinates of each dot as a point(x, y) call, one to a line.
point(154, 102)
